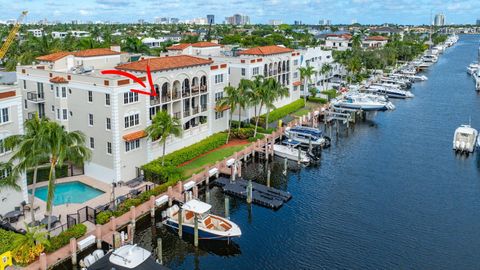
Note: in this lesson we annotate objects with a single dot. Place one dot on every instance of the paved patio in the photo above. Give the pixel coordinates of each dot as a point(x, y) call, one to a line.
point(63, 210)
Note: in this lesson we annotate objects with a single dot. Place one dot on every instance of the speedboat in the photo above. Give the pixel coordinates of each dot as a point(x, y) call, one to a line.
point(477, 81)
point(125, 257)
point(473, 68)
point(305, 135)
point(391, 92)
point(464, 139)
point(210, 227)
point(363, 102)
point(289, 149)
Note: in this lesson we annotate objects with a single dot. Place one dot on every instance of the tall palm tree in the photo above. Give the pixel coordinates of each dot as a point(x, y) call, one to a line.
point(46, 44)
point(62, 146)
point(163, 125)
point(135, 45)
point(306, 74)
point(255, 97)
point(273, 91)
point(244, 88)
point(29, 151)
point(229, 101)
point(326, 68)
point(356, 41)
point(88, 43)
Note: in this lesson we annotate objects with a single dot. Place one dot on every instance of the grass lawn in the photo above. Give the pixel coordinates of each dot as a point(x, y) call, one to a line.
point(209, 159)
point(301, 112)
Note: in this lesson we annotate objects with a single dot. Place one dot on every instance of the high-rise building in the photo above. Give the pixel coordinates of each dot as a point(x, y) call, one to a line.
point(297, 22)
point(174, 20)
point(478, 21)
point(237, 19)
point(325, 22)
point(439, 20)
point(275, 22)
point(211, 19)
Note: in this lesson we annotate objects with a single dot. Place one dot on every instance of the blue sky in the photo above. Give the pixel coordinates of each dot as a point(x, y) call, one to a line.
point(260, 11)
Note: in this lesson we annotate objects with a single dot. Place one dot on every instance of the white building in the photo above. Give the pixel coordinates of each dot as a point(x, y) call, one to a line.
point(56, 34)
point(70, 89)
point(11, 123)
point(200, 48)
point(153, 42)
point(338, 42)
point(275, 22)
point(36, 32)
point(439, 20)
point(374, 42)
point(79, 34)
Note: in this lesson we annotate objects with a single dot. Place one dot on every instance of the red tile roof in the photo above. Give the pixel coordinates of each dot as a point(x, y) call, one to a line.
point(181, 46)
point(205, 44)
point(7, 94)
point(53, 56)
point(377, 38)
point(165, 63)
point(83, 53)
point(58, 79)
point(134, 135)
point(266, 50)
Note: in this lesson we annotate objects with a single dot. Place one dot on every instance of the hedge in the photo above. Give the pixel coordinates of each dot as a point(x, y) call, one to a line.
point(281, 112)
point(7, 238)
point(332, 93)
point(155, 172)
point(124, 207)
point(43, 172)
point(317, 100)
point(63, 238)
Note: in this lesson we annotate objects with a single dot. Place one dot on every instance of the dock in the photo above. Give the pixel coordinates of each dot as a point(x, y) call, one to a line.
point(262, 195)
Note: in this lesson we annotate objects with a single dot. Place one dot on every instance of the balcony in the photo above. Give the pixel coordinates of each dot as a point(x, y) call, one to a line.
point(177, 95)
point(35, 97)
point(204, 107)
point(186, 113)
point(166, 98)
point(203, 88)
point(177, 115)
point(185, 93)
point(195, 110)
point(154, 101)
point(195, 90)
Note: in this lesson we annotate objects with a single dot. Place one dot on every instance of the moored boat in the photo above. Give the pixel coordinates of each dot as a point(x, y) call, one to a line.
point(290, 149)
point(305, 135)
point(464, 139)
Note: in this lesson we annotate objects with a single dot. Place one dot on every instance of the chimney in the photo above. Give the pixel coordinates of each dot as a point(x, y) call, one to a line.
point(115, 48)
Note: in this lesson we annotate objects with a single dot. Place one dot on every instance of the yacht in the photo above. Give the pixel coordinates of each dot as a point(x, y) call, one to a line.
point(363, 102)
point(390, 92)
point(125, 257)
point(464, 139)
point(473, 68)
point(305, 135)
point(290, 149)
point(430, 58)
point(210, 227)
point(477, 81)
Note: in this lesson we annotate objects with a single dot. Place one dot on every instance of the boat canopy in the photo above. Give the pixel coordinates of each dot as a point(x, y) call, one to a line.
point(291, 142)
point(196, 206)
point(306, 130)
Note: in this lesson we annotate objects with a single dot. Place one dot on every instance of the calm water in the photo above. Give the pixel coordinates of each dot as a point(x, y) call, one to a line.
point(392, 195)
point(71, 192)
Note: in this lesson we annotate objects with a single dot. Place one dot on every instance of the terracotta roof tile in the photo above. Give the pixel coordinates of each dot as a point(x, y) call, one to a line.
point(266, 50)
point(376, 38)
point(181, 46)
point(134, 135)
point(58, 79)
point(53, 56)
point(165, 63)
point(205, 44)
point(95, 52)
point(7, 94)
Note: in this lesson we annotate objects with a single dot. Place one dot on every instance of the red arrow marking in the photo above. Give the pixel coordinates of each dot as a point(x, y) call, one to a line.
point(126, 74)
point(136, 79)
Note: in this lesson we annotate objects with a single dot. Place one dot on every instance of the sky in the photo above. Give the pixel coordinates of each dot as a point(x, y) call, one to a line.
point(260, 11)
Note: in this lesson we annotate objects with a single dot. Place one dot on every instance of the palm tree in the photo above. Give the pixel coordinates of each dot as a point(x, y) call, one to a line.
point(88, 43)
point(163, 125)
point(244, 88)
point(326, 68)
point(255, 97)
point(306, 74)
point(356, 41)
point(135, 45)
point(30, 245)
point(62, 146)
point(29, 151)
point(274, 90)
point(229, 101)
point(46, 44)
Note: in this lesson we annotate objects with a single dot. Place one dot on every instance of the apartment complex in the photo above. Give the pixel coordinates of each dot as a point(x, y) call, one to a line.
point(11, 123)
point(68, 87)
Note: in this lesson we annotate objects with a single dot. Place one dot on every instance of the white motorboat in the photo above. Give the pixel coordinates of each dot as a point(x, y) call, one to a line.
point(473, 68)
point(390, 92)
point(210, 227)
point(477, 81)
point(289, 149)
point(430, 58)
point(363, 102)
point(125, 257)
point(464, 139)
point(305, 135)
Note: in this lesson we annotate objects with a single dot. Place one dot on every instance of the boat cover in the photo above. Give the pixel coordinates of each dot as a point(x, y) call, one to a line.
point(105, 264)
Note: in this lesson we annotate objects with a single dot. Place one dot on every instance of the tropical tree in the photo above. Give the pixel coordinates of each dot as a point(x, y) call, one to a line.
point(62, 146)
point(163, 125)
point(256, 96)
point(229, 101)
point(306, 74)
point(88, 43)
point(29, 246)
point(46, 44)
point(326, 68)
point(135, 45)
point(356, 41)
point(29, 151)
point(312, 91)
point(273, 91)
point(244, 88)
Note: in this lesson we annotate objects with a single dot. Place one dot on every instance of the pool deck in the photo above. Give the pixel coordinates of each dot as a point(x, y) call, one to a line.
point(71, 208)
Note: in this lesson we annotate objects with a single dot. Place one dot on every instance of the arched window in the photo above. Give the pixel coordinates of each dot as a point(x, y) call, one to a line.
point(186, 85)
point(203, 81)
point(265, 70)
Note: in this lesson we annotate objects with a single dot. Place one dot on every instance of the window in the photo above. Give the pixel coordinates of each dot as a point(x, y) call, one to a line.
point(255, 71)
point(109, 148)
point(40, 88)
point(243, 72)
point(132, 120)
point(65, 114)
point(295, 75)
point(109, 124)
point(4, 117)
point(24, 84)
point(90, 119)
point(64, 92)
point(218, 96)
point(51, 87)
point(218, 115)
point(295, 62)
point(57, 93)
point(58, 114)
point(25, 104)
point(129, 146)
point(3, 149)
point(5, 173)
point(92, 142)
point(219, 78)
point(107, 99)
point(130, 97)
point(90, 96)
point(53, 108)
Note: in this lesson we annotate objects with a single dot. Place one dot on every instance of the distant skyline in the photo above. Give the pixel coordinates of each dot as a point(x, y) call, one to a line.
point(309, 12)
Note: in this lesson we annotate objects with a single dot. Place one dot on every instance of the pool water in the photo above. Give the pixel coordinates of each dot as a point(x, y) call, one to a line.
point(71, 192)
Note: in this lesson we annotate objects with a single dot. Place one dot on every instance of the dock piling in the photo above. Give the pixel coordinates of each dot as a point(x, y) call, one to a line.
point(285, 165)
point(73, 250)
point(227, 207)
point(159, 251)
point(180, 220)
point(98, 235)
point(195, 230)
point(249, 191)
point(268, 177)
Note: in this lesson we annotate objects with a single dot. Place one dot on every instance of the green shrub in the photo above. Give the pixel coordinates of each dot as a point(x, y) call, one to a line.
point(332, 93)
point(317, 100)
point(43, 172)
point(265, 131)
point(281, 112)
point(256, 138)
point(243, 124)
point(104, 217)
point(7, 238)
point(63, 238)
point(243, 133)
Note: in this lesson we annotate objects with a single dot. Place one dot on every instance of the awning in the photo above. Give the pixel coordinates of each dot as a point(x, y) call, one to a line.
point(135, 135)
point(196, 206)
point(297, 83)
point(221, 108)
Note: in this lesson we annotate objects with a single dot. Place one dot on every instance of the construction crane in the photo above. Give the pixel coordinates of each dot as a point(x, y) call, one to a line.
point(11, 35)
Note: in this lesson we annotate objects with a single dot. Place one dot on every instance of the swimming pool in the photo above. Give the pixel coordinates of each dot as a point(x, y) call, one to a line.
point(71, 192)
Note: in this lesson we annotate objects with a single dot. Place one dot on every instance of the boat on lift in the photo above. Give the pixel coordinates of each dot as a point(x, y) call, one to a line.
point(464, 139)
point(305, 135)
point(391, 92)
point(363, 102)
point(125, 257)
point(290, 149)
point(210, 227)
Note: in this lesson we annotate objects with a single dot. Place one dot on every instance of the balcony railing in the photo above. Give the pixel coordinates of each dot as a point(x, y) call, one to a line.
point(177, 95)
point(35, 97)
point(186, 113)
point(186, 94)
point(195, 110)
point(204, 107)
point(203, 88)
point(154, 101)
point(177, 115)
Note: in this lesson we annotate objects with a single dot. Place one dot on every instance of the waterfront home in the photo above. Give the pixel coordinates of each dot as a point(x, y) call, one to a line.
point(68, 87)
point(374, 42)
point(198, 48)
point(339, 42)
